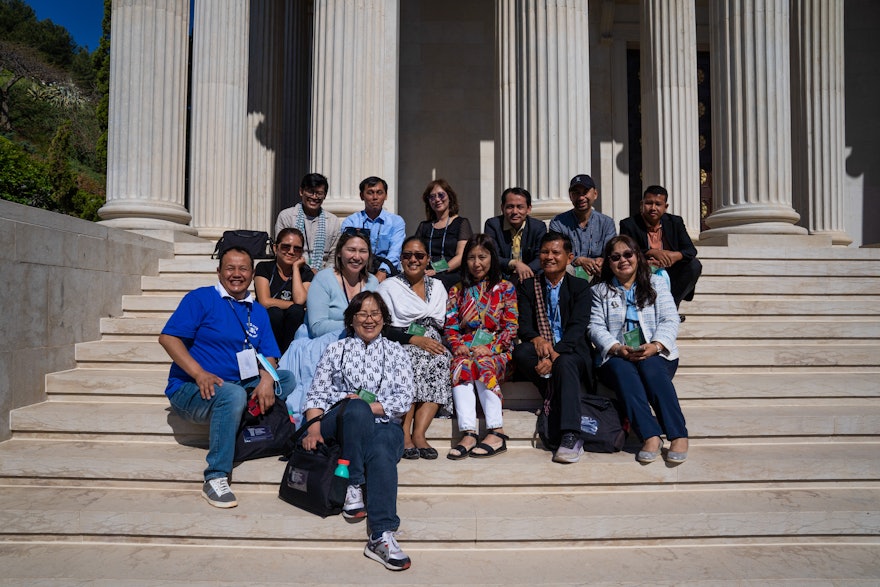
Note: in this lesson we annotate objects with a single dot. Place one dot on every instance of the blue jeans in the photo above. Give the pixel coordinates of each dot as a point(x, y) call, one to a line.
point(223, 415)
point(373, 449)
point(642, 385)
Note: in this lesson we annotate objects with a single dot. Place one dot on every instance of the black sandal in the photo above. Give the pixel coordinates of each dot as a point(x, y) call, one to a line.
point(490, 451)
point(463, 451)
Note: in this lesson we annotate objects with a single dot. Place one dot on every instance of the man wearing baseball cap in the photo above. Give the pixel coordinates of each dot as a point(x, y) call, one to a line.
point(588, 229)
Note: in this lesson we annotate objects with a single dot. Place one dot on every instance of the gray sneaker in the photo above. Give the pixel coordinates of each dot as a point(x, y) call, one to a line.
point(218, 494)
point(570, 449)
point(386, 550)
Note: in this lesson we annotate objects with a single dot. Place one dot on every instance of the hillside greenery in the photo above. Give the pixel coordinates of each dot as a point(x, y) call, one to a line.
point(53, 114)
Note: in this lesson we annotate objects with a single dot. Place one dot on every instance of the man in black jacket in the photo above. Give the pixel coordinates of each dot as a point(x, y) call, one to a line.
point(665, 242)
point(558, 347)
point(517, 235)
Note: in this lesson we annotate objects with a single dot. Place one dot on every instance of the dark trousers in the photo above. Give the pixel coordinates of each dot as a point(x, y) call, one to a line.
point(284, 324)
point(571, 373)
point(683, 277)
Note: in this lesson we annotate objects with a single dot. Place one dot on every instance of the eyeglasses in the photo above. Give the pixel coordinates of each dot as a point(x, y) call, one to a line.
point(285, 248)
point(615, 257)
point(439, 197)
point(363, 233)
point(364, 316)
point(410, 254)
point(319, 196)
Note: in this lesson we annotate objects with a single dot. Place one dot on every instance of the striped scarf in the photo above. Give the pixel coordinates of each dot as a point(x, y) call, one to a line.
point(315, 254)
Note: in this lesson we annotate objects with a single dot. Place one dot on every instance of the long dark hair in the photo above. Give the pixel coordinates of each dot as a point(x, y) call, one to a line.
point(485, 241)
point(645, 294)
point(450, 193)
point(345, 236)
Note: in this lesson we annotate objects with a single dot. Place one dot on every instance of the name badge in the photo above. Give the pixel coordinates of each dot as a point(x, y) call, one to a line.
point(482, 338)
point(366, 395)
point(581, 272)
point(440, 266)
point(634, 338)
point(416, 329)
point(247, 363)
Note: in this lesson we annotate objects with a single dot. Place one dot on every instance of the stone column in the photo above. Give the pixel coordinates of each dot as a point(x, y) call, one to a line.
point(670, 133)
point(264, 113)
point(818, 116)
point(218, 164)
point(751, 123)
point(146, 148)
point(544, 82)
point(354, 97)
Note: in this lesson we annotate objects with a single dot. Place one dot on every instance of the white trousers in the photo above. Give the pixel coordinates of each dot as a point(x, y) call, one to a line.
point(465, 401)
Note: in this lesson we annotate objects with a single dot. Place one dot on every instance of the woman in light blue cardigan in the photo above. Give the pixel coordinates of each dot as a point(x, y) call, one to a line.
point(633, 324)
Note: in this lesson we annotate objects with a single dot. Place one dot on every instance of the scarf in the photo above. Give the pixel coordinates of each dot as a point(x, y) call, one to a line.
point(317, 248)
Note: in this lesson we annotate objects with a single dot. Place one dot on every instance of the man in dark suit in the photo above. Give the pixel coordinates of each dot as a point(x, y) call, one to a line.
point(665, 241)
point(517, 235)
point(558, 348)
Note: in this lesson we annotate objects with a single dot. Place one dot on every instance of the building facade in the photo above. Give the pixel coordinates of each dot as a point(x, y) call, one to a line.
point(738, 107)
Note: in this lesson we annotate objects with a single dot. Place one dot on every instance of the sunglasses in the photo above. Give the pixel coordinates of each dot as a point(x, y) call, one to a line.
point(615, 257)
point(285, 248)
point(410, 254)
point(439, 196)
point(363, 233)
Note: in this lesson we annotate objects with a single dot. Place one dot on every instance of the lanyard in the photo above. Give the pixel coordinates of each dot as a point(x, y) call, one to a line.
point(345, 379)
point(443, 241)
point(247, 340)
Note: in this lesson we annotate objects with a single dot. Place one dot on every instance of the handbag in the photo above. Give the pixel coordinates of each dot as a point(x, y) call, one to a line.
point(309, 482)
point(601, 429)
point(255, 242)
point(267, 435)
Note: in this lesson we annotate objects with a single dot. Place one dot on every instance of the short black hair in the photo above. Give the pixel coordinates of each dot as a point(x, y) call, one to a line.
point(237, 249)
point(517, 191)
point(557, 236)
point(370, 182)
point(314, 180)
point(355, 305)
point(657, 190)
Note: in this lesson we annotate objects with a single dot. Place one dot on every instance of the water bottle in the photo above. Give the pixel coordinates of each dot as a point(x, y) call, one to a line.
point(340, 483)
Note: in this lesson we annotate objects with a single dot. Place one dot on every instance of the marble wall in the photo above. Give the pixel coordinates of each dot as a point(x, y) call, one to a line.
point(60, 275)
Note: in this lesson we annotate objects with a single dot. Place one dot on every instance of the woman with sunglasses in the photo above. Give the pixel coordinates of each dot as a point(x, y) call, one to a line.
point(481, 325)
point(282, 286)
point(418, 308)
point(634, 324)
point(445, 232)
point(329, 295)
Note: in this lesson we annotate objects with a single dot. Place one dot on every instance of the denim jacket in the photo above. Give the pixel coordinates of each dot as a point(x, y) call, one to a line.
point(659, 322)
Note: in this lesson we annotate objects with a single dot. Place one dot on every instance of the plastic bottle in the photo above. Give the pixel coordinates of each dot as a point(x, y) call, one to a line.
point(342, 468)
point(340, 483)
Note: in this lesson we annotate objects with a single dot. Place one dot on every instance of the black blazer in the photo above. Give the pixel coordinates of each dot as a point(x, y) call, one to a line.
point(674, 233)
point(574, 309)
point(531, 241)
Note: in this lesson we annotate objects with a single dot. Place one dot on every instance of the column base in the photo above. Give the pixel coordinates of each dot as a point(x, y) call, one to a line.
point(545, 210)
point(838, 237)
point(134, 214)
point(753, 219)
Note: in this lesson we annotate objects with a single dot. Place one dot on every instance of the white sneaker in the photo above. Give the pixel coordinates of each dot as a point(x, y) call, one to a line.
point(354, 508)
point(386, 550)
point(218, 494)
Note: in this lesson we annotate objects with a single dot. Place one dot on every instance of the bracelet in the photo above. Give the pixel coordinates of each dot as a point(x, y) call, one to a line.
point(659, 347)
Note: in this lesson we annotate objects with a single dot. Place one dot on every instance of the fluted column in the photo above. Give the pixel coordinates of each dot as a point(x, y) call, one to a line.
point(751, 123)
point(354, 97)
point(818, 116)
point(264, 112)
point(219, 116)
point(146, 147)
point(670, 134)
point(544, 82)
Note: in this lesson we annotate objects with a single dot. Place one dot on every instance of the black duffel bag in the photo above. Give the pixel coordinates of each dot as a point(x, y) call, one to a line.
point(267, 435)
point(601, 429)
point(256, 242)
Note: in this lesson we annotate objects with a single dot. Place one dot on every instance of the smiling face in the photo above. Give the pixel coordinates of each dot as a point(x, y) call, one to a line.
point(516, 209)
point(288, 249)
point(374, 197)
point(653, 207)
point(582, 198)
point(414, 260)
point(438, 200)
point(554, 259)
point(367, 322)
point(235, 272)
point(624, 263)
point(312, 198)
point(354, 255)
point(479, 260)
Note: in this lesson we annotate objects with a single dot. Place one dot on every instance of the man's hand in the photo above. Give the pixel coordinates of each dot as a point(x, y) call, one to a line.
point(206, 382)
point(522, 270)
point(663, 258)
point(544, 366)
point(590, 265)
point(543, 348)
point(265, 392)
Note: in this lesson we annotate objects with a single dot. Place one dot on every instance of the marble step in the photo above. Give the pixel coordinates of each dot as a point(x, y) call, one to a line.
point(689, 385)
point(138, 464)
point(814, 269)
point(667, 563)
point(694, 353)
point(571, 515)
point(767, 284)
point(755, 418)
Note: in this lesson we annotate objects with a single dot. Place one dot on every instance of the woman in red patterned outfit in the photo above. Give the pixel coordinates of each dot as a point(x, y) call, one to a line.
point(481, 325)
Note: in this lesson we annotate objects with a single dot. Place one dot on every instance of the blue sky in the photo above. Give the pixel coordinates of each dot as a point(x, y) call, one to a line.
point(81, 17)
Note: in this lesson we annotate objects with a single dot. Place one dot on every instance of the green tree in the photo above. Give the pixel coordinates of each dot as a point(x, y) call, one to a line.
point(23, 180)
point(61, 177)
point(101, 66)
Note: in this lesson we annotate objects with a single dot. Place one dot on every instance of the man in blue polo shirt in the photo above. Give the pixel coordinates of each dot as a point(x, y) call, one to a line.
point(387, 230)
point(213, 337)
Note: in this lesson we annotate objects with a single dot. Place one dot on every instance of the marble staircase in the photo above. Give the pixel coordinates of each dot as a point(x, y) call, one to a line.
point(778, 381)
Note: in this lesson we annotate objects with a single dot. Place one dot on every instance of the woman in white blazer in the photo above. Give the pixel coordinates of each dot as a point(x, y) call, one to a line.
point(633, 324)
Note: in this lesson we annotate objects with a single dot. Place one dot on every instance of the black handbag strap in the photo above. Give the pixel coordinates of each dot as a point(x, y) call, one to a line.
point(341, 404)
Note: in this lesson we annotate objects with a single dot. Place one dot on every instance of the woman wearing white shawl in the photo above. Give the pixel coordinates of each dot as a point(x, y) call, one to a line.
point(418, 309)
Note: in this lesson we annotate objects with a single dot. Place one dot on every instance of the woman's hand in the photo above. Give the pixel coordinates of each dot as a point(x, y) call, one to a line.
point(313, 436)
point(461, 351)
point(481, 350)
point(430, 272)
point(428, 344)
point(544, 366)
